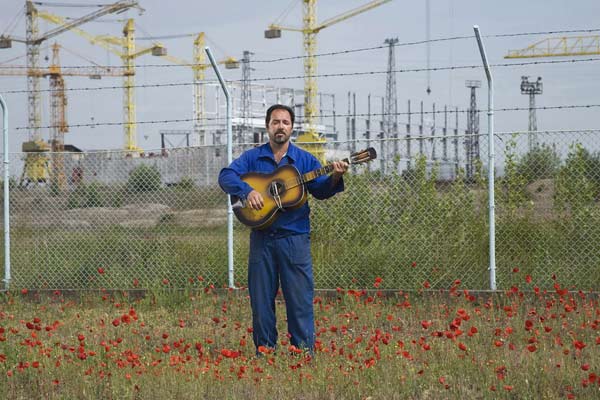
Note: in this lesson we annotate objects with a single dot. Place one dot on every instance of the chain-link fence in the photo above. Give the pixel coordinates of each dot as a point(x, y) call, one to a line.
point(417, 216)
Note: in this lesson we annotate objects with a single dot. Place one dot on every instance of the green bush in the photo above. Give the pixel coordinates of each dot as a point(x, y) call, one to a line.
point(539, 163)
point(185, 184)
point(511, 188)
point(144, 178)
point(85, 196)
point(591, 165)
point(576, 189)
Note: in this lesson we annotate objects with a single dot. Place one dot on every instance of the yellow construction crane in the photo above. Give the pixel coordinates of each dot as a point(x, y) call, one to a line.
point(37, 168)
point(124, 48)
point(34, 164)
point(199, 67)
point(58, 121)
point(310, 138)
point(559, 46)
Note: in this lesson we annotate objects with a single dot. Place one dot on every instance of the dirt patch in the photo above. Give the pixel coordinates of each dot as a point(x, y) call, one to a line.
point(208, 217)
point(143, 216)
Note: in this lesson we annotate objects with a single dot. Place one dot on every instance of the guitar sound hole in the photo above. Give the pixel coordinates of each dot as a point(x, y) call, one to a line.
point(276, 188)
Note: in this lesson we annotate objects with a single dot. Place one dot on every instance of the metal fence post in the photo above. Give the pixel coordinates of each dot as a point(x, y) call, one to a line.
point(491, 158)
point(229, 160)
point(6, 195)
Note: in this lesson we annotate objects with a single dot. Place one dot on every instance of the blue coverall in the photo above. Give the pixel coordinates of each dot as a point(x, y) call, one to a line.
point(281, 251)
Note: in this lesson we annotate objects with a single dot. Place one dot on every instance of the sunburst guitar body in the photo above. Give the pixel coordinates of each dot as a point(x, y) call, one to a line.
point(284, 189)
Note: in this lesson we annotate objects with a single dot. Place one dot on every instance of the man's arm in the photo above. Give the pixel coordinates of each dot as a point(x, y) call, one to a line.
point(230, 178)
point(232, 184)
point(325, 187)
point(339, 169)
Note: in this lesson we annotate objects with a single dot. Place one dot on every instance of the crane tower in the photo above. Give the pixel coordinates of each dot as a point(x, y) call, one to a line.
point(310, 139)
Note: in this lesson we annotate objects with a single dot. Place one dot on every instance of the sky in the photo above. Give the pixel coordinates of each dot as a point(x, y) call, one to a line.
point(232, 26)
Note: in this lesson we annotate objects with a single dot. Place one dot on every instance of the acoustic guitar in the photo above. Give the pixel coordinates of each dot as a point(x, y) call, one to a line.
point(284, 189)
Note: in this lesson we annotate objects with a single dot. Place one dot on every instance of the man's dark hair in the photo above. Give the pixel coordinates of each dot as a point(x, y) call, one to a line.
point(279, 107)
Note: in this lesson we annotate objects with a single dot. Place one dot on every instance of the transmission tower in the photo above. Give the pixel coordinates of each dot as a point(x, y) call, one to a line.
point(531, 89)
point(246, 129)
point(472, 138)
point(390, 117)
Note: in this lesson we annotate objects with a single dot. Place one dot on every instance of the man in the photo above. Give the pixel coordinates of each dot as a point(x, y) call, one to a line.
point(281, 252)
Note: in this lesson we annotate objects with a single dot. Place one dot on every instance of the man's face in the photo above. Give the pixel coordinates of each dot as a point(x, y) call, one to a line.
point(280, 126)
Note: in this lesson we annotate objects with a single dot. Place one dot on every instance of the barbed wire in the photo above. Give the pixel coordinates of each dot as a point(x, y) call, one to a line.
point(356, 50)
point(301, 119)
point(341, 74)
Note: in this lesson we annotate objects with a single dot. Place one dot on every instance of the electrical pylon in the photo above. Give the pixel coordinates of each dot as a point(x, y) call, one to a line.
point(472, 138)
point(390, 118)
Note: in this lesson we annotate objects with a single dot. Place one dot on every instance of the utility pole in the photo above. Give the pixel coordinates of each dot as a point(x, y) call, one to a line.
point(368, 124)
point(422, 122)
point(531, 89)
point(247, 128)
point(408, 144)
point(353, 122)
point(433, 155)
point(445, 133)
point(390, 117)
point(455, 142)
point(472, 138)
point(348, 115)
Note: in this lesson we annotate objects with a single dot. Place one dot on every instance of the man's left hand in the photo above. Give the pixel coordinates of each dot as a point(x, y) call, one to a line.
point(339, 168)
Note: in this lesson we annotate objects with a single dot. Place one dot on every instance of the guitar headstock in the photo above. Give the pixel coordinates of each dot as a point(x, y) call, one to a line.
point(363, 156)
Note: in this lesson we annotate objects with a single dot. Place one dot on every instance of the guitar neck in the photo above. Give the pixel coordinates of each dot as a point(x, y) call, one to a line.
point(312, 175)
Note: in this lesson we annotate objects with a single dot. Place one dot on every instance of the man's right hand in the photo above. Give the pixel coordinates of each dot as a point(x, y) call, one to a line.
point(255, 200)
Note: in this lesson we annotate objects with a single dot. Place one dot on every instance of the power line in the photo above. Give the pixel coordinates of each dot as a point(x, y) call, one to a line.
point(362, 73)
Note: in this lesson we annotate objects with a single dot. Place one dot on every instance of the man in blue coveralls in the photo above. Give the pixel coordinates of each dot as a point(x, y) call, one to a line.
point(281, 252)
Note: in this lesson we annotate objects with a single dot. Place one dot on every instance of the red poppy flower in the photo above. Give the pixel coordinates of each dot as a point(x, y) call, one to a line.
point(578, 345)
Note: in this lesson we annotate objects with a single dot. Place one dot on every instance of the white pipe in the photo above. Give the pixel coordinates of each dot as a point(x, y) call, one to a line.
point(491, 160)
point(6, 196)
point(229, 160)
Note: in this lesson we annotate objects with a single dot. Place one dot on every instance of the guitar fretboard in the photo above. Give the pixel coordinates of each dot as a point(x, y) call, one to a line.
point(309, 176)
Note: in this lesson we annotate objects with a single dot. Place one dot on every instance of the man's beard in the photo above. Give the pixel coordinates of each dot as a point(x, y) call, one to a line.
point(280, 139)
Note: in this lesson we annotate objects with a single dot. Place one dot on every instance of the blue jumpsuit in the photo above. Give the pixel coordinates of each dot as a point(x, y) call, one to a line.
point(280, 252)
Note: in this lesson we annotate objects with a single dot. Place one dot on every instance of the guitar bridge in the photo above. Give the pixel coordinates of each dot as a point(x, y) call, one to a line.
point(276, 196)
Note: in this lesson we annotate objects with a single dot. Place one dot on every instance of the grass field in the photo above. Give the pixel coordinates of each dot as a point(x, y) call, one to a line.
point(524, 343)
